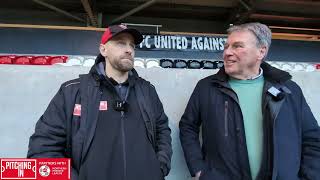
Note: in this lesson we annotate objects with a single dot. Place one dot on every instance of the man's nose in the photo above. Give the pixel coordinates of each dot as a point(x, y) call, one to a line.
point(129, 49)
point(227, 51)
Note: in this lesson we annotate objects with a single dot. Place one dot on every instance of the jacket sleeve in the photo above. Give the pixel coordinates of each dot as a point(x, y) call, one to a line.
point(189, 134)
point(49, 137)
point(310, 160)
point(162, 134)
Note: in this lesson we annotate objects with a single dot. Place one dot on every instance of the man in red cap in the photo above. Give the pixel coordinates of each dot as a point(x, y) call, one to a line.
point(110, 122)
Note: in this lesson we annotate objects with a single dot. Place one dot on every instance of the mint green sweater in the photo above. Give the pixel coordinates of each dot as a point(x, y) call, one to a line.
point(249, 94)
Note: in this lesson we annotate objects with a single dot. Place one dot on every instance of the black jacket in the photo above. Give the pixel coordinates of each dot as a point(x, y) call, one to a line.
point(60, 133)
point(291, 133)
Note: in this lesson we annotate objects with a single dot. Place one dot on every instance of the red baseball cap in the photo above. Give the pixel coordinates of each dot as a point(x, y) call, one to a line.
point(114, 30)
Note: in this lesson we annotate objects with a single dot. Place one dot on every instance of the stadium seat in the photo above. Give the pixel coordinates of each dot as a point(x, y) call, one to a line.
point(298, 67)
point(218, 64)
point(286, 67)
point(206, 64)
point(152, 63)
point(166, 63)
point(180, 63)
point(73, 61)
point(8, 59)
point(194, 64)
point(139, 62)
point(274, 64)
point(23, 60)
point(58, 59)
point(310, 68)
point(40, 60)
point(88, 62)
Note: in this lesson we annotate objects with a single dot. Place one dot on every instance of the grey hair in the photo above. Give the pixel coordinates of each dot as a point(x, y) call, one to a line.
point(260, 31)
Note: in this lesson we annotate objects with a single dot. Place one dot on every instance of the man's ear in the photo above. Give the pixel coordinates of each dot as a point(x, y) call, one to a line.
point(103, 50)
point(262, 53)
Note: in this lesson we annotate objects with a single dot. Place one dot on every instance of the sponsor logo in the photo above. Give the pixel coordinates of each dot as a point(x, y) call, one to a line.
point(41, 169)
point(44, 171)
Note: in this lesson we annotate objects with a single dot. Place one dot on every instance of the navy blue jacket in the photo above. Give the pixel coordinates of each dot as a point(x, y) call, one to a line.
point(291, 133)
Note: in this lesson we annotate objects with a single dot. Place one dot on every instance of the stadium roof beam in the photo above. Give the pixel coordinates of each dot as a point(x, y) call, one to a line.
point(90, 13)
point(284, 18)
point(58, 10)
point(129, 13)
point(241, 12)
point(244, 4)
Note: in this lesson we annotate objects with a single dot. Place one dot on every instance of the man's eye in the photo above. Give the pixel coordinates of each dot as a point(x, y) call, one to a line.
point(237, 46)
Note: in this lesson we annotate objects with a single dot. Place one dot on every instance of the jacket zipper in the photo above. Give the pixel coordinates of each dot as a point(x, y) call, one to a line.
point(124, 147)
point(226, 131)
point(124, 137)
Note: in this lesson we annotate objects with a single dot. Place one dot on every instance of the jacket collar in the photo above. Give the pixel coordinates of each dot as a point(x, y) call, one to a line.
point(270, 74)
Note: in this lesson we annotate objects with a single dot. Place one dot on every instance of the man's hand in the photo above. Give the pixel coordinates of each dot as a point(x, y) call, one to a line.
point(198, 174)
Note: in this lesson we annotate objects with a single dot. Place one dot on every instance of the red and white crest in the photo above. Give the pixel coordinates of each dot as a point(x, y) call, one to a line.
point(77, 110)
point(103, 106)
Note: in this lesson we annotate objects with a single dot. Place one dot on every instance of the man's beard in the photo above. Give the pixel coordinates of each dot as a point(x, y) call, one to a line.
point(123, 65)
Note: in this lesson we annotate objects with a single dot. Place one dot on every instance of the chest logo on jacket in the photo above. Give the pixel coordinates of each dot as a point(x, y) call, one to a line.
point(77, 110)
point(103, 106)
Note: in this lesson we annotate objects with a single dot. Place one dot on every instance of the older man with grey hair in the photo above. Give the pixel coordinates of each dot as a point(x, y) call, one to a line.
point(256, 124)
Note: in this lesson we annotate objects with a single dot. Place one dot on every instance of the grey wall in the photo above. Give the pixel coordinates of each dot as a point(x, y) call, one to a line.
point(26, 91)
